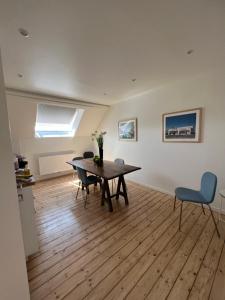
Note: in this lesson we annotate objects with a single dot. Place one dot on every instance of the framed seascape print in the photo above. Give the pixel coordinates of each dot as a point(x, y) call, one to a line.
point(128, 130)
point(182, 126)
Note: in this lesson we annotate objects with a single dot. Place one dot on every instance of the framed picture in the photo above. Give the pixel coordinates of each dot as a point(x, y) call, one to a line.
point(182, 126)
point(128, 130)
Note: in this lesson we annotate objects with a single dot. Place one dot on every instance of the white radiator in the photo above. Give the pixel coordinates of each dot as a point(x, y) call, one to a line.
point(51, 163)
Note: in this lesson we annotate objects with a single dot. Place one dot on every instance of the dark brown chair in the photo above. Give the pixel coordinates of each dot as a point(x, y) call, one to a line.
point(88, 154)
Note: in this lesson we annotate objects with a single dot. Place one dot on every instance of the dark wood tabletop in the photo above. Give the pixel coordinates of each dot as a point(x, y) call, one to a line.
point(108, 170)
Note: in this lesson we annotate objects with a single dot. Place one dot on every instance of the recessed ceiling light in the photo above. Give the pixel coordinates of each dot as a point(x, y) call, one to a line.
point(190, 51)
point(24, 32)
point(20, 75)
point(133, 80)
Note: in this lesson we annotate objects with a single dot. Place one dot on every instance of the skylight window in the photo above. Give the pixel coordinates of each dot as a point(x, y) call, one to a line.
point(57, 121)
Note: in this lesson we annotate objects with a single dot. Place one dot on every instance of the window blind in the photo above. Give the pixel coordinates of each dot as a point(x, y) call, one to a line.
point(51, 114)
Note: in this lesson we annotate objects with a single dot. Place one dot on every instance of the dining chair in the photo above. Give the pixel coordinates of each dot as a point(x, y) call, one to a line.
point(76, 158)
point(74, 167)
point(85, 182)
point(88, 154)
point(205, 196)
point(119, 162)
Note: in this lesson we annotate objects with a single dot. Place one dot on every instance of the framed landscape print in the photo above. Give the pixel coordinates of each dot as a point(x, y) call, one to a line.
point(128, 130)
point(182, 126)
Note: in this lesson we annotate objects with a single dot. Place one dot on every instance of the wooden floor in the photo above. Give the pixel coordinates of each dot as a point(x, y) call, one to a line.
point(136, 252)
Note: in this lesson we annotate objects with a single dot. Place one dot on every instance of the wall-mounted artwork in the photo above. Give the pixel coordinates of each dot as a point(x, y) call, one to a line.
point(182, 126)
point(128, 130)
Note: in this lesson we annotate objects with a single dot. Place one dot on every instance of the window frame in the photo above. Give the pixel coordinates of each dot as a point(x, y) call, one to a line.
point(68, 133)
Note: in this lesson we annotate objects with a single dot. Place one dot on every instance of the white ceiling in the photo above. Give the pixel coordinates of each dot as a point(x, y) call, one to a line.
point(85, 48)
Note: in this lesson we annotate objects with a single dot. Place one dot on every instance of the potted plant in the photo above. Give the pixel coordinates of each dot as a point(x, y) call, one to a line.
point(100, 140)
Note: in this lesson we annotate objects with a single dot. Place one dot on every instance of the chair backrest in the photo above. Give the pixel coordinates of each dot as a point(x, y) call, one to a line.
point(88, 154)
point(77, 158)
point(208, 186)
point(119, 161)
point(82, 175)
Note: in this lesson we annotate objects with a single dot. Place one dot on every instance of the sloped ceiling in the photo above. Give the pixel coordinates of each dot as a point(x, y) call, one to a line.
point(91, 50)
point(23, 112)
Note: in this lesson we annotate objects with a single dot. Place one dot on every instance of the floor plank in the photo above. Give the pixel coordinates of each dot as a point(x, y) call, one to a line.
point(97, 254)
point(143, 255)
point(102, 234)
point(204, 279)
point(136, 252)
point(191, 228)
point(186, 278)
point(218, 288)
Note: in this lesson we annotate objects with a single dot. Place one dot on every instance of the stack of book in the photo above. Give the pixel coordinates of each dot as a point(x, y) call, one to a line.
point(21, 176)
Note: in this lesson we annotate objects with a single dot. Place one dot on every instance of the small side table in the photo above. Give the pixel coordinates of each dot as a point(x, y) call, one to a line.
point(222, 197)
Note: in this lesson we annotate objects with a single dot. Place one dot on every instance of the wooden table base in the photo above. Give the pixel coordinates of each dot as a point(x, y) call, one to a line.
point(106, 192)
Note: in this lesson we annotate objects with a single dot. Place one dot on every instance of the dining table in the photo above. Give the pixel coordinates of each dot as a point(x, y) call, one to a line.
point(108, 170)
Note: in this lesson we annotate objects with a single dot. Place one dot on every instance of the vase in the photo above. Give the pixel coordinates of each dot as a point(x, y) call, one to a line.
point(101, 154)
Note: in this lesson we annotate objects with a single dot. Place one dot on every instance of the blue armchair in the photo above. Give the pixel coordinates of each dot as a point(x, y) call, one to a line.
point(206, 195)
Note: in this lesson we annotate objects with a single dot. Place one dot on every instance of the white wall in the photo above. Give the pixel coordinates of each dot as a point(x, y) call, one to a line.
point(168, 165)
point(22, 116)
point(13, 275)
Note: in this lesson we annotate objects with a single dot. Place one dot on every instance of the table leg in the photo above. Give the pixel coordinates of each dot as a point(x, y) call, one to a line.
point(106, 184)
point(124, 190)
point(118, 188)
point(103, 193)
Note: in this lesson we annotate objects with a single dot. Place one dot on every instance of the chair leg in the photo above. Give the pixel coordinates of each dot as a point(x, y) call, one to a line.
point(87, 190)
point(203, 209)
point(95, 186)
point(78, 190)
point(214, 221)
point(85, 200)
point(181, 207)
point(112, 186)
point(174, 204)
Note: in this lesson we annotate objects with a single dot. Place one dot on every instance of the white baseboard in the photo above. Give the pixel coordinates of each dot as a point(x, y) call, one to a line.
point(55, 175)
point(144, 185)
point(149, 186)
point(216, 209)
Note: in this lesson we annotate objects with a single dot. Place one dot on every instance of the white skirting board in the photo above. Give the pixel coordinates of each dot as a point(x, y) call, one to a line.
point(54, 163)
point(148, 186)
